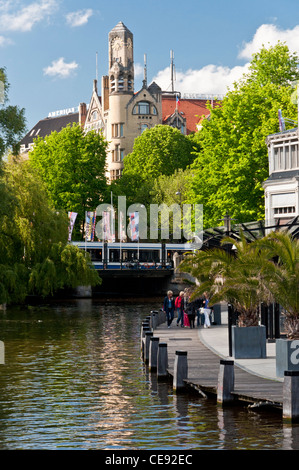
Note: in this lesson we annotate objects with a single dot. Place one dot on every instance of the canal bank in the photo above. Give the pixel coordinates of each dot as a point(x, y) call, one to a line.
point(200, 358)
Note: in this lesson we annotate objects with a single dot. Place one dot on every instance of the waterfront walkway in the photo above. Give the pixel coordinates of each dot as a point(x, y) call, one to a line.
point(255, 379)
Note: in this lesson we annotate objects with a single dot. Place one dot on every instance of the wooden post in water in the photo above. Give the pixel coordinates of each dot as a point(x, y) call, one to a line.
point(162, 361)
point(290, 409)
point(153, 353)
point(226, 382)
point(180, 370)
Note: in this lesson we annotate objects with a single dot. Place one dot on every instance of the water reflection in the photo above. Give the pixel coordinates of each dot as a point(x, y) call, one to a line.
point(74, 379)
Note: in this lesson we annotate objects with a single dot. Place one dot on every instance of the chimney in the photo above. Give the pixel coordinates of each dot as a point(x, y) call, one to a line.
point(82, 114)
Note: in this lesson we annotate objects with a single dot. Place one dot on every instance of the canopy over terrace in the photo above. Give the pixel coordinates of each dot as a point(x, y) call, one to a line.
point(212, 237)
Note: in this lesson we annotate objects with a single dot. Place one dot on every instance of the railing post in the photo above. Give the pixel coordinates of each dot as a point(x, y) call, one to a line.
point(153, 353)
point(290, 409)
point(180, 370)
point(226, 382)
point(162, 360)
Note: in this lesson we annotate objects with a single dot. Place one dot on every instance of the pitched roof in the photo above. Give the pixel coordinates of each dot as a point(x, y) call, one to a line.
point(45, 126)
point(192, 109)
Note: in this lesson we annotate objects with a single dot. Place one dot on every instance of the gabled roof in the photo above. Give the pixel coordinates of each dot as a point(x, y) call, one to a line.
point(48, 125)
point(191, 109)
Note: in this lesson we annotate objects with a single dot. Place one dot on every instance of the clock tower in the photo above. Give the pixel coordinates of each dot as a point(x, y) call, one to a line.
point(121, 63)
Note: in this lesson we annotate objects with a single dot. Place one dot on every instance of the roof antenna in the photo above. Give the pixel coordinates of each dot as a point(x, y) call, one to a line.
point(96, 66)
point(172, 70)
point(145, 73)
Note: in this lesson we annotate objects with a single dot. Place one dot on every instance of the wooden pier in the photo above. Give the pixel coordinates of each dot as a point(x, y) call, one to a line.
point(204, 364)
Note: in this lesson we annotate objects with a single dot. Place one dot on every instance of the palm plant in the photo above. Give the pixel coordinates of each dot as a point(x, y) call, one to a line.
point(234, 276)
point(281, 276)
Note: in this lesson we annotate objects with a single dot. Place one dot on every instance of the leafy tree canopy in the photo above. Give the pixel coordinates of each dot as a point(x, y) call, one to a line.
point(12, 119)
point(233, 161)
point(161, 150)
point(72, 165)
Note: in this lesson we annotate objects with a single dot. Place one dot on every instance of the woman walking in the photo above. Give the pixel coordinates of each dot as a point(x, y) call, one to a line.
point(168, 307)
point(206, 311)
point(179, 305)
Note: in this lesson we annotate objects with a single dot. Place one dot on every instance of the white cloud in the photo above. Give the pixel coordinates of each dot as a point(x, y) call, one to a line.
point(215, 79)
point(211, 79)
point(5, 41)
point(79, 18)
point(59, 68)
point(14, 17)
point(138, 69)
point(270, 34)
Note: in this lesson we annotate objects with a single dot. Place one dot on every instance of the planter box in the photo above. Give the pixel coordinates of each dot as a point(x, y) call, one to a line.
point(249, 342)
point(287, 356)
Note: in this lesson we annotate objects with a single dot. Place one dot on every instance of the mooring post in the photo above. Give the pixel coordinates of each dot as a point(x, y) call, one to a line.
point(162, 360)
point(226, 381)
point(153, 353)
point(144, 329)
point(2, 360)
point(180, 370)
point(290, 408)
point(148, 335)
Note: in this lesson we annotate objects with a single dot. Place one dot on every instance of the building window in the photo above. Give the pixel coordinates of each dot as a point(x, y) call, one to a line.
point(130, 83)
point(142, 107)
point(112, 82)
point(143, 127)
point(115, 174)
point(284, 210)
point(286, 157)
point(118, 130)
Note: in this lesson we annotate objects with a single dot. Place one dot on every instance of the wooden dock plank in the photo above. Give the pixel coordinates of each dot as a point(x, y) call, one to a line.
point(203, 367)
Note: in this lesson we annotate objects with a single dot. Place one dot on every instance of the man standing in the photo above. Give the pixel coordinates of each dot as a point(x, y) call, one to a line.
point(168, 307)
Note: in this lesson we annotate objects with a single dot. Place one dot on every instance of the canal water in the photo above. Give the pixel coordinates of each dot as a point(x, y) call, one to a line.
point(73, 379)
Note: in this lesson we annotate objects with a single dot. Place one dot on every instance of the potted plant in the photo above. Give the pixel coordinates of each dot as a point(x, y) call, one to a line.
point(235, 276)
point(281, 277)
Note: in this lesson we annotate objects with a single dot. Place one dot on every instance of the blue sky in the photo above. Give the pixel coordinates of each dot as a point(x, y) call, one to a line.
point(49, 47)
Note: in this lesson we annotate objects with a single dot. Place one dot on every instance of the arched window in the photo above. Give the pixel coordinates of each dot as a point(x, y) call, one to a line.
point(120, 82)
point(130, 83)
point(143, 107)
point(112, 81)
point(143, 127)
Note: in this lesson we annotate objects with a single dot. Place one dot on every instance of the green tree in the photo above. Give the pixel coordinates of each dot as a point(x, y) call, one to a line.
point(31, 225)
point(233, 161)
point(65, 267)
point(160, 150)
point(72, 165)
point(12, 120)
point(35, 256)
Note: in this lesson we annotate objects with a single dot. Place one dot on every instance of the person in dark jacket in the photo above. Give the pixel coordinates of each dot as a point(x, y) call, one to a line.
point(169, 307)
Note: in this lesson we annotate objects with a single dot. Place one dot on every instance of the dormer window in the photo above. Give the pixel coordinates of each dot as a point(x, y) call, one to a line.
point(143, 107)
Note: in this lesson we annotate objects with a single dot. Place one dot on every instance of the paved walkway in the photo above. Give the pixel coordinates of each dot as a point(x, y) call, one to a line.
point(216, 339)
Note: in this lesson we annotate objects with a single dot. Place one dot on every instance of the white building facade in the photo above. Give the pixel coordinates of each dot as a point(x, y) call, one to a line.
point(282, 186)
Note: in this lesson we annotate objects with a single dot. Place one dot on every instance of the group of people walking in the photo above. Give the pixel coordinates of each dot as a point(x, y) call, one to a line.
point(186, 309)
